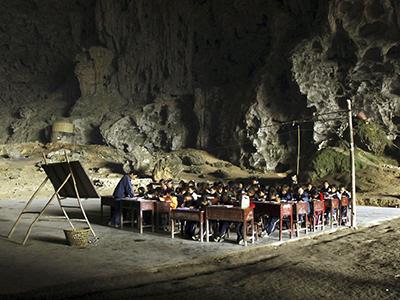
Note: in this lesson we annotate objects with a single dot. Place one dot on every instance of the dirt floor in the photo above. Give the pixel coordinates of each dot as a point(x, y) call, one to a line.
point(362, 264)
point(347, 264)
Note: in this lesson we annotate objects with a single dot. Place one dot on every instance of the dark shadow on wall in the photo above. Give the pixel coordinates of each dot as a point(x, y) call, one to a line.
point(189, 119)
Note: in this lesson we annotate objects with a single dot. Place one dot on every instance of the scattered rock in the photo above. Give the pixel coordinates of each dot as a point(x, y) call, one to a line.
point(220, 174)
point(221, 164)
point(12, 152)
point(98, 183)
point(195, 170)
point(192, 159)
point(58, 154)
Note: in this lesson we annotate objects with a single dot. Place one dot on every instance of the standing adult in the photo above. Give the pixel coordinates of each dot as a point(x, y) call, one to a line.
point(122, 190)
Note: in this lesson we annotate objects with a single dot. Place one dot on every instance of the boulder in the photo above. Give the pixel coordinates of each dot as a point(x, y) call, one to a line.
point(168, 166)
point(192, 159)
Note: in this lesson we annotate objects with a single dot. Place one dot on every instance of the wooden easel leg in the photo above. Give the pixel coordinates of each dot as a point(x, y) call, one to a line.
point(26, 205)
point(78, 198)
point(43, 209)
point(64, 211)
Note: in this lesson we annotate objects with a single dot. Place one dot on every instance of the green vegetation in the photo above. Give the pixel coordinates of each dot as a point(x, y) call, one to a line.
point(370, 136)
point(335, 162)
point(328, 161)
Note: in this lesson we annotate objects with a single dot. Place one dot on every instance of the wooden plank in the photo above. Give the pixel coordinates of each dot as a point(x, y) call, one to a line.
point(57, 172)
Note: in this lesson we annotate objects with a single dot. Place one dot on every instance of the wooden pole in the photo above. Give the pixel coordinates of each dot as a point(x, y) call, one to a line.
point(353, 168)
point(298, 152)
point(26, 205)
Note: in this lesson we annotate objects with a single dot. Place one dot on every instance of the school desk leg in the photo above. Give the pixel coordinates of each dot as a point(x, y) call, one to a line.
point(207, 231)
point(252, 231)
point(245, 232)
point(172, 228)
point(201, 231)
point(141, 221)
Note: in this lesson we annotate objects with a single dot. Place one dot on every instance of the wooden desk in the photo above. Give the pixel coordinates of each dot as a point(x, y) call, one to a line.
point(279, 210)
point(231, 214)
point(106, 201)
point(185, 214)
point(138, 206)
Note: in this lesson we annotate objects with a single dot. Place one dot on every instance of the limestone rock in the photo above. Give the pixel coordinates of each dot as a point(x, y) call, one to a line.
point(192, 159)
point(93, 69)
point(167, 167)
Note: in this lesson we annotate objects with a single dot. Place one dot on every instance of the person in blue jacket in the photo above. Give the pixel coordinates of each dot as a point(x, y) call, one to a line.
point(122, 190)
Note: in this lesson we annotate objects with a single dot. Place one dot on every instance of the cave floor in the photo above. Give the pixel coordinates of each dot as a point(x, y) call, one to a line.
point(121, 257)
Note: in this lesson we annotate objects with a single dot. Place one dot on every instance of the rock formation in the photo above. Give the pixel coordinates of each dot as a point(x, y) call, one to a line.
point(224, 76)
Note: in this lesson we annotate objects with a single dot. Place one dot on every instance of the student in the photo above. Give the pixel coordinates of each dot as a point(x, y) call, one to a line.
point(227, 198)
point(273, 194)
point(333, 194)
point(168, 197)
point(122, 190)
point(326, 189)
point(302, 195)
point(285, 194)
point(271, 223)
point(344, 193)
point(141, 192)
point(190, 226)
point(192, 192)
point(179, 195)
point(310, 189)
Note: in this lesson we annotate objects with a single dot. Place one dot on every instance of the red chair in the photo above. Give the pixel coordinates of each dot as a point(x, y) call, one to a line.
point(318, 215)
point(344, 211)
point(335, 212)
point(301, 209)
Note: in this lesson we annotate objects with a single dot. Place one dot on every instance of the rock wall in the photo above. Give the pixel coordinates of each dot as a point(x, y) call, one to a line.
point(356, 57)
point(224, 76)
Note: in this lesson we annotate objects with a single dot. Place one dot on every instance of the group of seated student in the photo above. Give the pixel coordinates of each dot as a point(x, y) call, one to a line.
point(202, 194)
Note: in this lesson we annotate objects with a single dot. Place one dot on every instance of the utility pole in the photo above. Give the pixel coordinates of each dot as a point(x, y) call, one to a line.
point(298, 152)
point(353, 168)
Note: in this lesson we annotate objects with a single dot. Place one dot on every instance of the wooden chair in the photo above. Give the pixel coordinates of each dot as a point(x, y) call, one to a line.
point(301, 209)
point(333, 206)
point(318, 215)
point(344, 211)
point(162, 209)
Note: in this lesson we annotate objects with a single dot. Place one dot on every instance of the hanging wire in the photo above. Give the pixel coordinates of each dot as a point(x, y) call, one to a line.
point(280, 134)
